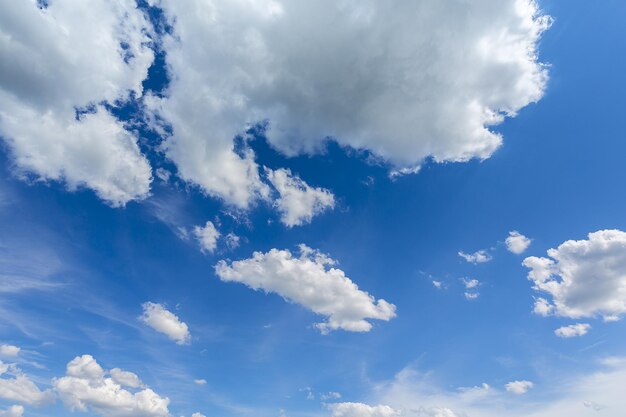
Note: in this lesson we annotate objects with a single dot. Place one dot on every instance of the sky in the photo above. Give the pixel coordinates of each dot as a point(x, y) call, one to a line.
point(312, 209)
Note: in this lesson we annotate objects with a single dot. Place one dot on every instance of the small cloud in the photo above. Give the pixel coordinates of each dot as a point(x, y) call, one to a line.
point(199, 381)
point(517, 243)
point(207, 237)
point(478, 257)
point(519, 387)
point(332, 395)
point(163, 321)
point(437, 284)
point(594, 405)
point(573, 330)
point(471, 285)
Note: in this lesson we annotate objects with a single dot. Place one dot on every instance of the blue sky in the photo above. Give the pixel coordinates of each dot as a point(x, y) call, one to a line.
point(106, 209)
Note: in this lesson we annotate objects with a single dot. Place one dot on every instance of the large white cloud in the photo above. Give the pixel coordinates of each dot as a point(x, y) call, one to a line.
point(86, 388)
point(73, 55)
point(164, 321)
point(405, 80)
point(16, 386)
point(309, 280)
point(298, 202)
point(585, 278)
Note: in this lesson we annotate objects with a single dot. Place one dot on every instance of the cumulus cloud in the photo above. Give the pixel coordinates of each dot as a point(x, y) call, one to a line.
point(584, 278)
point(373, 75)
point(13, 411)
point(471, 287)
point(519, 387)
point(573, 330)
point(361, 410)
point(207, 236)
point(311, 281)
point(72, 56)
point(163, 321)
point(517, 243)
point(16, 386)
point(298, 202)
point(126, 378)
point(9, 350)
point(478, 257)
point(86, 388)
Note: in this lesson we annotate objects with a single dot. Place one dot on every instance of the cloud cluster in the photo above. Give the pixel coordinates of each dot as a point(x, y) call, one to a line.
point(477, 257)
point(298, 202)
point(18, 387)
point(164, 321)
point(207, 236)
point(311, 281)
point(86, 388)
point(584, 278)
point(517, 243)
point(65, 57)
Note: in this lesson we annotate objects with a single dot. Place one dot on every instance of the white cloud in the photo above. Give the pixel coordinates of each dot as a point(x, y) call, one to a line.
point(232, 241)
point(65, 57)
point(126, 378)
point(437, 284)
point(207, 236)
point(163, 321)
point(385, 77)
point(478, 257)
point(517, 243)
point(312, 281)
point(9, 350)
point(85, 388)
point(471, 285)
point(573, 330)
point(519, 387)
point(197, 415)
point(585, 278)
point(199, 381)
point(298, 202)
point(332, 395)
point(21, 388)
point(13, 411)
point(361, 410)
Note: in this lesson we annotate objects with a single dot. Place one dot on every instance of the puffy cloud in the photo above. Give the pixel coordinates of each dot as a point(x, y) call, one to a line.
point(126, 378)
point(519, 387)
point(9, 350)
point(585, 278)
point(207, 236)
point(13, 411)
point(478, 257)
point(471, 286)
point(298, 202)
point(164, 321)
point(362, 410)
point(573, 330)
point(20, 388)
point(385, 77)
point(517, 243)
point(311, 281)
point(85, 388)
point(72, 56)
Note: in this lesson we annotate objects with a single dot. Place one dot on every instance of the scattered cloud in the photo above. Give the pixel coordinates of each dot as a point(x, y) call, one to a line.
point(437, 284)
point(332, 395)
point(361, 410)
point(519, 387)
point(312, 281)
point(573, 330)
point(517, 243)
point(86, 388)
point(199, 381)
point(13, 411)
point(207, 236)
point(478, 257)
point(585, 278)
point(163, 321)
point(9, 351)
point(197, 415)
point(17, 386)
point(471, 286)
point(298, 202)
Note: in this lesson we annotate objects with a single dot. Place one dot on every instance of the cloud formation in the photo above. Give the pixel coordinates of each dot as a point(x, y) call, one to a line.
point(519, 387)
point(361, 410)
point(584, 278)
point(72, 56)
point(207, 236)
point(517, 243)
point(298, 202)
point(13, 411)
point(18, 387)
point(573, 330)
point(9, 350)
point(86, 388)
point(477, 257)
point(164, 321)
point(311, 281)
